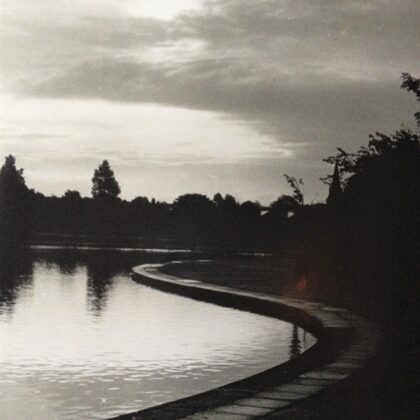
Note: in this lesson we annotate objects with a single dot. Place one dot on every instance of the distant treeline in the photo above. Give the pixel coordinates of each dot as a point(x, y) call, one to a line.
point(192, 219)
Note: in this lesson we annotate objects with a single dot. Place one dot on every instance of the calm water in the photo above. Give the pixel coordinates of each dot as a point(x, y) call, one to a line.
point(80, 339)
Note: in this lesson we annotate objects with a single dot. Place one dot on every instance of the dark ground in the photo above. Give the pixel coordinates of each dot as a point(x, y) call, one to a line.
point(387, 389)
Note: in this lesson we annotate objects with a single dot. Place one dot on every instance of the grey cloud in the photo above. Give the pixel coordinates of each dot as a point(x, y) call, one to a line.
point(389, 27)
point(115, 33)
point(303, 71)
point(318, 109)
point(270, 35)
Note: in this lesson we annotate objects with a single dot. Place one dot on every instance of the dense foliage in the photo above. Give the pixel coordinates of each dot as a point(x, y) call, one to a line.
point(367, 244)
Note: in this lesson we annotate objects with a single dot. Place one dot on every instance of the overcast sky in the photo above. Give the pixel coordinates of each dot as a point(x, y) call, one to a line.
point(200, 95)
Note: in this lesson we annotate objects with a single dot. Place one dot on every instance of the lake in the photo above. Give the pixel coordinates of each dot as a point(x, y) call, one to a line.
point(80, 339)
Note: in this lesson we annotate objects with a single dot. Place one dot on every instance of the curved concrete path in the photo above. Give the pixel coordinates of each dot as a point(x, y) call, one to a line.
point(345, 343)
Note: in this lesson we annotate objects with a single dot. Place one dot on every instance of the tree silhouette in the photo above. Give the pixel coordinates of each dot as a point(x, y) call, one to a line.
point(381, 147)
point(228, 204)
point(373, 229)
point(249, 210)
point(72, 195)
point(335, 187)
point(192, 205)
point(295, 344)
point(140, 203)
point(11, 179)
point(13, 200)
point(283, 206)
point(104, 183)
point(412, 84)
point(297, 186)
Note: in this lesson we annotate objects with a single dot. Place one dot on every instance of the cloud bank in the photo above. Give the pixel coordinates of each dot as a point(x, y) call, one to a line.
point(311, 72)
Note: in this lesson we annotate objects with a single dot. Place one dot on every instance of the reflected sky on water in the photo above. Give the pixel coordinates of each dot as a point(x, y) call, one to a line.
point(80, 339)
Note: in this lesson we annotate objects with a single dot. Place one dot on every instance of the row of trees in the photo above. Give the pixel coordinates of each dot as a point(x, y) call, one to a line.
point(192, 218)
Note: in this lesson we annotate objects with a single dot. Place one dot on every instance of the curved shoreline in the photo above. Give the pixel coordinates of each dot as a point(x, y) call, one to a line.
point(345, 343)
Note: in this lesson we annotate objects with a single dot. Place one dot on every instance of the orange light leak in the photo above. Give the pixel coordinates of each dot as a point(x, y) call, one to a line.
point(302, 285)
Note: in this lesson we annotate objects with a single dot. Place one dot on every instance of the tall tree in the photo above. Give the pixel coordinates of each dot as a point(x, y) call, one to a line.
point(335, 187)
point(104, 183)
point(14, 196)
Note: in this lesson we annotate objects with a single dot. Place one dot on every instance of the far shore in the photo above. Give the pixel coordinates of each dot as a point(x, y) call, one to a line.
point(134, 242)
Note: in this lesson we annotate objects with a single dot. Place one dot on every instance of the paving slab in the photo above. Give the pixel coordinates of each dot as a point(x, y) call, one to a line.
point(263, 402)
point(243, 410)
point(216, 416)
point(311, 381)
point(277, 395)
point(324, 374)
point(344, 365)
point(299, 388)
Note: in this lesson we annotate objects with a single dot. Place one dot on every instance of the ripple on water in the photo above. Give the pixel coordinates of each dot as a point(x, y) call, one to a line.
point(82, 340)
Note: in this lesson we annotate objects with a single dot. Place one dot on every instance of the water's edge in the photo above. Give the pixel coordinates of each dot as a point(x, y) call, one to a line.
point(345, 343)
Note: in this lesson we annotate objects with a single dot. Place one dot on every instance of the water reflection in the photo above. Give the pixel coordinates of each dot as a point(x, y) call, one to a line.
point(100, 274)
point(295, 344)
point(85, 341)
point(15, 275)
